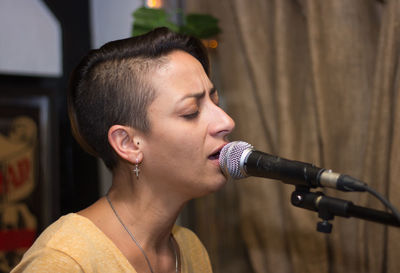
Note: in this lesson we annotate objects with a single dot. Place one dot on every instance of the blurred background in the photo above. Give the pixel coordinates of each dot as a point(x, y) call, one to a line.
point(315, 81)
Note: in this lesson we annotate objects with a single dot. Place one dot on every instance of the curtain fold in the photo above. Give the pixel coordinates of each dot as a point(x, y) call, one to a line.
point(315, 81)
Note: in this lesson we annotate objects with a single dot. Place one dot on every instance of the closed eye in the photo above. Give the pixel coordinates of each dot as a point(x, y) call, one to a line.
point(191, 116)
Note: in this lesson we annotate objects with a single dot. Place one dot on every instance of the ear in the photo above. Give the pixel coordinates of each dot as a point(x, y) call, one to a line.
point(125, 142)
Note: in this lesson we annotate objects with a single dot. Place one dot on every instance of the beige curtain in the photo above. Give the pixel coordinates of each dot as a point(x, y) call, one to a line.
point(315, 81)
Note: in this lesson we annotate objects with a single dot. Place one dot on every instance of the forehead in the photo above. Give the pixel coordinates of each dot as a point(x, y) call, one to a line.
point(180, 73)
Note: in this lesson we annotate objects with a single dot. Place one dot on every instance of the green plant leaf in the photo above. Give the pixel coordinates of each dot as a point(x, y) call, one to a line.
point(200, 25)
point(146, 19)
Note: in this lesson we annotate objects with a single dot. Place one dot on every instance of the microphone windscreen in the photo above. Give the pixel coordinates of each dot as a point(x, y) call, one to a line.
point(229, 159)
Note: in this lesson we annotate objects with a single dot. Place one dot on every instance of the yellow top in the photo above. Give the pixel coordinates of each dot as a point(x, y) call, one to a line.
point(75, 244)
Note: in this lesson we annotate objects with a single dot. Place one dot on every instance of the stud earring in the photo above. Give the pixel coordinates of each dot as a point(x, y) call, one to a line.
point(137, 170)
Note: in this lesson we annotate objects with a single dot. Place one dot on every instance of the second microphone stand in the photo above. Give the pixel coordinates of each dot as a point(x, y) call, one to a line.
point(329, 207)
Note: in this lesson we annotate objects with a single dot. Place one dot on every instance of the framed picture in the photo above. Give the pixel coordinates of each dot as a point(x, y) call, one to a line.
point(26, 173)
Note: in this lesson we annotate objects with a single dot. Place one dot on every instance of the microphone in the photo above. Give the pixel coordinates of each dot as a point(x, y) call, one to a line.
point(238, 160)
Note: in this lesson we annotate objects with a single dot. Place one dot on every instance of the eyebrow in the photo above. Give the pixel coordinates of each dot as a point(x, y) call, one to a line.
point(200, 95)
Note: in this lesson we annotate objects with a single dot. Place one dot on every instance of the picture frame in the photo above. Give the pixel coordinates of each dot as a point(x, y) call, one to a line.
point(27, 171)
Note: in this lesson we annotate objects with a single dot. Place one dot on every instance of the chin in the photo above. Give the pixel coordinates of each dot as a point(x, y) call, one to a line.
point(215, 185)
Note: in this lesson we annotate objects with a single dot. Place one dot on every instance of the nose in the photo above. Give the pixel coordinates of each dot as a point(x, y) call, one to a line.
point(221, 124)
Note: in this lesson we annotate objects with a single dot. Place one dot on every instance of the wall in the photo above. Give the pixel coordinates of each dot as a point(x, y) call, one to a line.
point(30, 41)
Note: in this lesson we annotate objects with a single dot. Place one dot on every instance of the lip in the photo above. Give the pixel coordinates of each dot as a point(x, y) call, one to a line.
point(216, 151)
point(219, 148)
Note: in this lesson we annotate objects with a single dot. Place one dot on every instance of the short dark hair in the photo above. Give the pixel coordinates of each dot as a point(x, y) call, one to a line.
point(111, 86)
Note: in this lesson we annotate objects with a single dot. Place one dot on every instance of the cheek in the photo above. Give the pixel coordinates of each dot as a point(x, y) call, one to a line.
point(185, 146)
point(175, 145)
point(177, 160)
point(181, 135)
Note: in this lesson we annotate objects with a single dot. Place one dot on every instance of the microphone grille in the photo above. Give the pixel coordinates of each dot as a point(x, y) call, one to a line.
point(229, 158)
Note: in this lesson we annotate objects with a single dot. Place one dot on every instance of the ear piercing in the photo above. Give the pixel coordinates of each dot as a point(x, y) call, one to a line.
point(137, 170)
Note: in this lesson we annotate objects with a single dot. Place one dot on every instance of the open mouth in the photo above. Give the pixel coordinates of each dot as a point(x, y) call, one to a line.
point(214, 156)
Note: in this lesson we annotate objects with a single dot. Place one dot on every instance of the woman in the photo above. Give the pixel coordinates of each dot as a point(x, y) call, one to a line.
point(147, 107)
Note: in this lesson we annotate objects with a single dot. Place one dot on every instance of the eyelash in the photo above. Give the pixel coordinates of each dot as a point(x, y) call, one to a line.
point(192, 116)
point(195, 114)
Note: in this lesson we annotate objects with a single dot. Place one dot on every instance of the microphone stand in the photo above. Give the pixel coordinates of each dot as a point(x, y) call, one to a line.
point(329, 207)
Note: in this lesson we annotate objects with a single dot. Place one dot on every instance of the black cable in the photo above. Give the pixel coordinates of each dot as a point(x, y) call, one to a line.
point(384, 201)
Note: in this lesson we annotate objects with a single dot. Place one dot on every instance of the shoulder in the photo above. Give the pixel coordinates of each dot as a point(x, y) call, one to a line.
point(48, 260)
point(74, 242)
point(70, 233)
point(194, 255)
point(51, 251)
point(182, 232)
point(187, 239)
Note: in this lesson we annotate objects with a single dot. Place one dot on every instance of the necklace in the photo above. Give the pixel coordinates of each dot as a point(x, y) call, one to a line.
point(137, 243)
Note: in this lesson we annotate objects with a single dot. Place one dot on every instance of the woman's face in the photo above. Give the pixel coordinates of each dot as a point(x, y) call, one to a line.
point(187, 129)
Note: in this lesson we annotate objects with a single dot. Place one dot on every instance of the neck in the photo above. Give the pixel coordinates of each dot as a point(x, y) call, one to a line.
point(146, 212)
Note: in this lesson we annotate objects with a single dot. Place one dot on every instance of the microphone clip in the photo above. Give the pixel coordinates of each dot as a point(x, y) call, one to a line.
point(315, 201)
point(329, 207)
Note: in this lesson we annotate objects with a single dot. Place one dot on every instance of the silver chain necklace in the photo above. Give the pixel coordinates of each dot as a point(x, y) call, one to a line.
point(137, 243)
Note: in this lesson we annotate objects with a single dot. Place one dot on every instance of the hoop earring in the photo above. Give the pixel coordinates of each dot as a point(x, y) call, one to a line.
point(136, 169)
